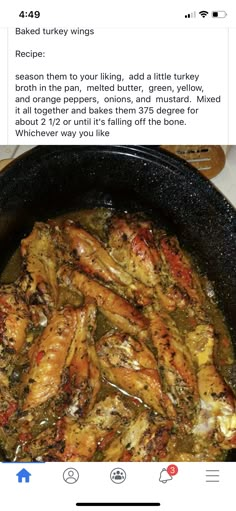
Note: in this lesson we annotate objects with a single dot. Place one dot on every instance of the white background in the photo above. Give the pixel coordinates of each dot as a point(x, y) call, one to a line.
point(187, 491)
point(136, 37)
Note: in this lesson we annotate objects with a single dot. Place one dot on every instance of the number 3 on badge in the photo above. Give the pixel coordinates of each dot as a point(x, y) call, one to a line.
point(172, 470)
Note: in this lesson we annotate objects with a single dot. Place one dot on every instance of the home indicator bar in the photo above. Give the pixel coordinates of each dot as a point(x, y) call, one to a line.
point(130, 504)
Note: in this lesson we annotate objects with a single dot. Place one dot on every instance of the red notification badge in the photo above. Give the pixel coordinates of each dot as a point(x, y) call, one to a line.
point(172, 470)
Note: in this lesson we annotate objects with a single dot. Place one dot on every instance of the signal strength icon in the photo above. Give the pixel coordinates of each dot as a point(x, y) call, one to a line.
point(191, 15)
point(203, 14)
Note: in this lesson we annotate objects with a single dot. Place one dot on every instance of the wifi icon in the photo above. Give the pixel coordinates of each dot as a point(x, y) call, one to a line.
point(203, 13)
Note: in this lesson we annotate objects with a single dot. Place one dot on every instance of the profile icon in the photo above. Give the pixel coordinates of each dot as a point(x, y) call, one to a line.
point(71, 475)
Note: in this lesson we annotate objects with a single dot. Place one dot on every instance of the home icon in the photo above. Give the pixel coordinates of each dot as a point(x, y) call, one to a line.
point(23, 476)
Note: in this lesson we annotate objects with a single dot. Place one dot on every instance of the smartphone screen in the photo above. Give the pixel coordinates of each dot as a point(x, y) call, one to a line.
point(117, 262)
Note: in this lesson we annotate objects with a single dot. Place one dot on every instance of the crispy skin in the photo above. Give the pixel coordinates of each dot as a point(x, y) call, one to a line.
point(39, 282)
point(181, 270)
point(218, 405)
point(81, 439)
point(144, 439)
point(131, 366)
point(175, 364)
point(84, 372)
point(118, 310)
point(14, 320)
point(51, 355)
point(133, 245)
point(93, 259)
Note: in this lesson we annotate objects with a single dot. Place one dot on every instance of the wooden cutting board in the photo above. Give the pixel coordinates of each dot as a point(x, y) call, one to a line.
point(4, 163)
point(208, 159)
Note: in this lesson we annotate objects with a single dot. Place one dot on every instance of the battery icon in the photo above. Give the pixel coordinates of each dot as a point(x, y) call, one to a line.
point(219, 14)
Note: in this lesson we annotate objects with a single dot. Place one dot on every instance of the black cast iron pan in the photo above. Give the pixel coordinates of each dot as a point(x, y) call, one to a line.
point(51, 180)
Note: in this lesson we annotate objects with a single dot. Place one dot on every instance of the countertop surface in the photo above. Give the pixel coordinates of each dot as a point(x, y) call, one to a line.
point(225, 181)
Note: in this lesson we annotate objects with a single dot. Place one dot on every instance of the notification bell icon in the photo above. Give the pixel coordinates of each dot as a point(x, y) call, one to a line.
point(164, 476)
